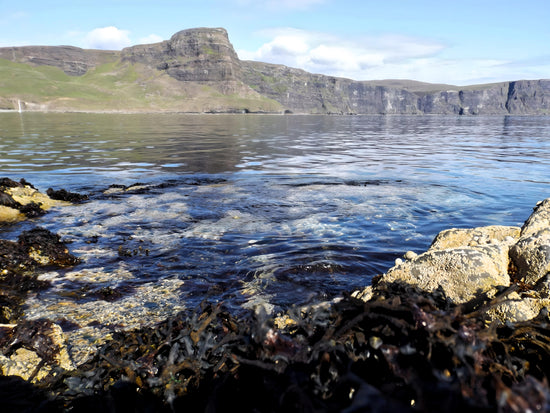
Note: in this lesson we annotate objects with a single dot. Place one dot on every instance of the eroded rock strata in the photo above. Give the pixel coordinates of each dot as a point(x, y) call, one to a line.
point(464, 325)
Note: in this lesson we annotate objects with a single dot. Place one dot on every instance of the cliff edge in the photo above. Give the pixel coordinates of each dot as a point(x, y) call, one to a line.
point(198, 70)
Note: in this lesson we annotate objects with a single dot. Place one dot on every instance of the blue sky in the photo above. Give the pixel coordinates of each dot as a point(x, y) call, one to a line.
point(456, 42)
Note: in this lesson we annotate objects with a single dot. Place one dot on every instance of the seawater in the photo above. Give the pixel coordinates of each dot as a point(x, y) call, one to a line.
point(262, 210)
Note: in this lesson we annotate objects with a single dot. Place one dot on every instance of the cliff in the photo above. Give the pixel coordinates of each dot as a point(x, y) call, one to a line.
point(198, 70)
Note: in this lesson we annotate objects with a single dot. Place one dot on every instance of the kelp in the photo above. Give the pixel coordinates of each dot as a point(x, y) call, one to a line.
point(404, 350)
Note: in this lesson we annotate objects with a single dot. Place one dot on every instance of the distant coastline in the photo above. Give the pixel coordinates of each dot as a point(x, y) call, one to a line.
point(198, 71)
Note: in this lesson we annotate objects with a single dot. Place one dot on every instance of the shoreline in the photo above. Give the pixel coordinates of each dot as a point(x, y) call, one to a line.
point(464, 323)
point(169, 112)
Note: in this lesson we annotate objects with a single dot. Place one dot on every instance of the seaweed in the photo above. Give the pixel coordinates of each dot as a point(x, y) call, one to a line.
point(404, 350)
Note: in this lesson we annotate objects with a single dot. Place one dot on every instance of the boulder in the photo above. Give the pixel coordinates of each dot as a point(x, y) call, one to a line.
point(507, 265)
point(461, 273)
point(531, 254)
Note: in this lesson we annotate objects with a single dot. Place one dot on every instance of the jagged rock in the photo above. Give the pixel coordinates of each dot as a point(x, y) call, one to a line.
point(199, 55)
point(463, 263)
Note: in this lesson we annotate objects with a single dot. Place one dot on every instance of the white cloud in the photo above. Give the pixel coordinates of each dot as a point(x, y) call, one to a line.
point(386, 57)
point(333, 55)
point(152, 38)
point(107, 38)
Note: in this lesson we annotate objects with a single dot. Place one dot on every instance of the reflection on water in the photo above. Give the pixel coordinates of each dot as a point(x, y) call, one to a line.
point(272, 209)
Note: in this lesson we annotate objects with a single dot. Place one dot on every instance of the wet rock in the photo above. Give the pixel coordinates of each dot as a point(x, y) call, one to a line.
point(64, 195)
point(34, 349)
point(20, 200)
point(46, 248)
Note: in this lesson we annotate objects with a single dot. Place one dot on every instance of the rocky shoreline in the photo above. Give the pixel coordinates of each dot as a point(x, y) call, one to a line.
point(463, 325)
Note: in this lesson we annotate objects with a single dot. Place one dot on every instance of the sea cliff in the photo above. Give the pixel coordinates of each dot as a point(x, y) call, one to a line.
point(198, 70)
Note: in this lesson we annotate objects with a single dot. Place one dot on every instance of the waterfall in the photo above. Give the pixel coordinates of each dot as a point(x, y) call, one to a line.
point(19, 105)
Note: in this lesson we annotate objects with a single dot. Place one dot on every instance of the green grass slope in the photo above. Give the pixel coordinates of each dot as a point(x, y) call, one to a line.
point(121, 87)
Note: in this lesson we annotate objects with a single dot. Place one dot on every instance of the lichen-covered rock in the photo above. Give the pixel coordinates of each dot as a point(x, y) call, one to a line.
point(462, 273)
point(531, 255)
point(507, 263)
point(517, 307)
point(470, 237)
point(538, 220)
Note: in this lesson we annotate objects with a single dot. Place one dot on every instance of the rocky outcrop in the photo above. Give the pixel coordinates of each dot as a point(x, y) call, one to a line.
point(205, 56)
point(506, 266)
point(195, 55)
point(20, 200)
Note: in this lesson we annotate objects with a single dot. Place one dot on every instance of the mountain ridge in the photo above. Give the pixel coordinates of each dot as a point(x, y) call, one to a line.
point(197, 70)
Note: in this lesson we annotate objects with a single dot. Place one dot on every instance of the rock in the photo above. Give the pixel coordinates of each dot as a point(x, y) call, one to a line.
point(538, 220)
point(20, 199)
point(36, 347)
point(455, 238)
point(64, 195)
point(410, 255)
point(517, 308)
point(461, 273)
point(462, 263)
point(507, 264)
point(46, 248)
point(72, 60)
point(197, 55)
point(531, 254)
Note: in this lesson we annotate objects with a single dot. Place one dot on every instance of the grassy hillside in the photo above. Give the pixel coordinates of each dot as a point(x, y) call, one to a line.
point(117, 86)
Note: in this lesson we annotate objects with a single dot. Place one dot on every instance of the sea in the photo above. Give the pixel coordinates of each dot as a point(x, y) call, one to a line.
point(260, 210)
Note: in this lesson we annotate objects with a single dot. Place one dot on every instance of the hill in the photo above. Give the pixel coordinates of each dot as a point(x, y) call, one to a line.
point(198, 71)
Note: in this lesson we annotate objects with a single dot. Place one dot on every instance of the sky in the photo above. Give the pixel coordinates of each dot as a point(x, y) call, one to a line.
point(439, 41)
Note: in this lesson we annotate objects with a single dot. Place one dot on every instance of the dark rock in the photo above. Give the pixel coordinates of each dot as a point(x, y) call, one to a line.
point(18, 263)
point(46, 248)
point(19, 396)
point(64, 195)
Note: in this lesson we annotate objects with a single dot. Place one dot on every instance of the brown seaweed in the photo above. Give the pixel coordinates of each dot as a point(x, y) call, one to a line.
point(404, 350)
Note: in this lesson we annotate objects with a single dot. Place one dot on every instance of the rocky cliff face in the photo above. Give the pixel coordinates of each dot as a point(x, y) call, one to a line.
point(206, 55)
point(195, 55)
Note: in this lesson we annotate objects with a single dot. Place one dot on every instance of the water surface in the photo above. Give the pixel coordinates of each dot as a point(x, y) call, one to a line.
point(278, 210)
